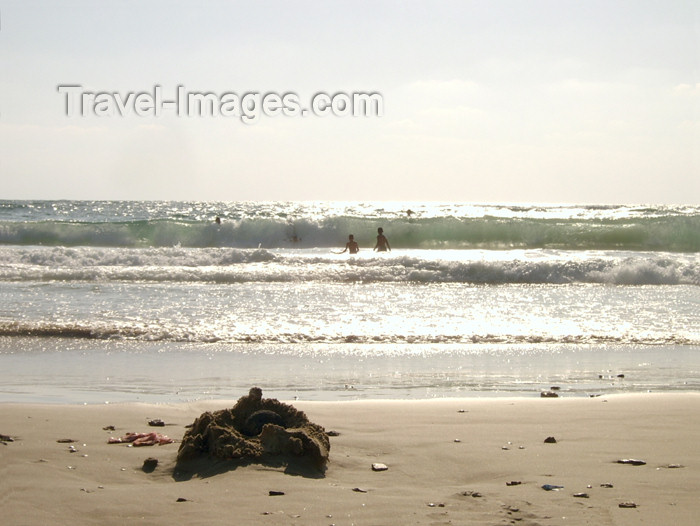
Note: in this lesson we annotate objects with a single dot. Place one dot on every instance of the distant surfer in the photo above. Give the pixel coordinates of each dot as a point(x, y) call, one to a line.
point(217, 220)
point(382, 242)
point(351, 246)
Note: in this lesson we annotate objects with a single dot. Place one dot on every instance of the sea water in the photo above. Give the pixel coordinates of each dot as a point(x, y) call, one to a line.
point(157, 302)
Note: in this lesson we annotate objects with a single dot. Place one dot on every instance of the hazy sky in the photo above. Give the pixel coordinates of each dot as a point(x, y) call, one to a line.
point(506, 101)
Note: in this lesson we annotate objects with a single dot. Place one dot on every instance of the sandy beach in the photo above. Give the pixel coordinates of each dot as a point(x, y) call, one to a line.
point(456, 461)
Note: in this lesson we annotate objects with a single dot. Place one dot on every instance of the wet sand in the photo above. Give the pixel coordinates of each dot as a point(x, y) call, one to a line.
point(450, 461)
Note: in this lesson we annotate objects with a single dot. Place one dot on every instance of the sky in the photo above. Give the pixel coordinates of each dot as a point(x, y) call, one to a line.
point(550, 101)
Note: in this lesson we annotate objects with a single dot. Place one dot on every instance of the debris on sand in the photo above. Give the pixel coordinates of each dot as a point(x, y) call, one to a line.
point(631, 461)
point(141, 439)
point(552, 487)
point(256, 429)
point(471, 493)
point(149, 465)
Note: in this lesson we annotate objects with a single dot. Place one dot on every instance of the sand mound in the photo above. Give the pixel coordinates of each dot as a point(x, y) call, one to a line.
point(257, 430)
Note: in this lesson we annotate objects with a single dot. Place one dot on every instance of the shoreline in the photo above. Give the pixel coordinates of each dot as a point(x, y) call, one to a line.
point(37, 370)
point(449, 459)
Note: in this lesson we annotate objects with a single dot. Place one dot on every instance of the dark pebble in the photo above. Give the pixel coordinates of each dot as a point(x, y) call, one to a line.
point(550, 440)
point(631, 461)
point(149, 465)
point(156, 422)
point(274, 493)
point(470, 493)
point(552, 487)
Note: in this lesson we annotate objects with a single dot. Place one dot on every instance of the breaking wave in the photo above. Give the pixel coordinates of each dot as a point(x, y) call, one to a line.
point(177, 334)
point(274, 226)
point(217, 265)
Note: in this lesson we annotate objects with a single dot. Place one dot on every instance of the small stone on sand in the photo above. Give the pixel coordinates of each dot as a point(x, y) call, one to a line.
point(149, 465)
point(377, 466)
point(550, 440)
point(627, 505)
point(470, 493)
point(273, 493)
point(551, 487)
point(631, 461)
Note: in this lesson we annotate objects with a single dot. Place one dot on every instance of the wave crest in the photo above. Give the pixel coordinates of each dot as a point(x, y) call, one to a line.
point(215, 265)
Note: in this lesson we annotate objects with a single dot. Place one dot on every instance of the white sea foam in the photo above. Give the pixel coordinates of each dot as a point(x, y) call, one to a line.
point(260, 265)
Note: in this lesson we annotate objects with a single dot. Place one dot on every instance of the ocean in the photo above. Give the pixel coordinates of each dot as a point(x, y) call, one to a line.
point(122, 301)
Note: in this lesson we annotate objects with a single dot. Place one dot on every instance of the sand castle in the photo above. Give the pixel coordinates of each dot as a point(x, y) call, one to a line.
point(257, 430)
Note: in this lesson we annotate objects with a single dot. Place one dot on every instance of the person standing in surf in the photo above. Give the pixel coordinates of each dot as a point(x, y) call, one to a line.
point(382, 242)
point(351, 246)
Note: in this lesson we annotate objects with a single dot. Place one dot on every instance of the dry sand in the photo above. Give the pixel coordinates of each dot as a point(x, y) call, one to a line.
point(449, 463)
